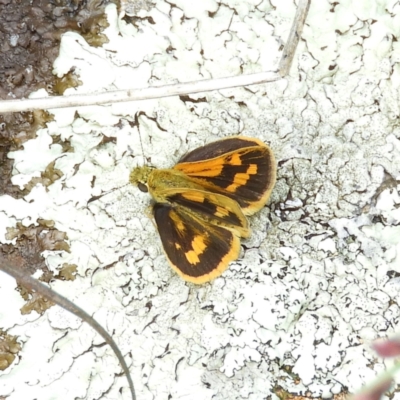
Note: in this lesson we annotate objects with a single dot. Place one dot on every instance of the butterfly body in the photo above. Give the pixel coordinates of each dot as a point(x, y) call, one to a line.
point(161, 181)
point(201, 203)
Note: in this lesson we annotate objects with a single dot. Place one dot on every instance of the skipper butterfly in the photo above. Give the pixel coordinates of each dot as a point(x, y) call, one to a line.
point(201, 204)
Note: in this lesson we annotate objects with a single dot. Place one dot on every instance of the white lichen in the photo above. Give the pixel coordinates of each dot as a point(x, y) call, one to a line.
point(316, 283)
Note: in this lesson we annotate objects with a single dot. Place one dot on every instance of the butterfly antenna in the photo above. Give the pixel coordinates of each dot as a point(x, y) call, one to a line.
point(141, 145)
point(140, 137)
point(94, 198)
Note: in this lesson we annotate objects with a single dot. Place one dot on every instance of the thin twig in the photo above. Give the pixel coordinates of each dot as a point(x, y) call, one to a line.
point(154, 92)
point(294, 37)
point(32, 284)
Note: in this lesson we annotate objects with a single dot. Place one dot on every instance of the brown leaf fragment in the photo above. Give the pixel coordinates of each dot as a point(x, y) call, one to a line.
point(24, 292)
point(66, 145)
point(48, 223)
point(67, 272)
point(47, 177)
point(15, 129)
point(67, 81)
point(54, 240)
point(36, 303)
point(26, 255)
point(8, 348)
point(35, 239)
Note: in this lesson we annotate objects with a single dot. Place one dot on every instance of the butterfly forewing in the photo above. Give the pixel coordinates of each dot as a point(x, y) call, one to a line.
point(196, 250)
point(216, 149)
point(245, 172)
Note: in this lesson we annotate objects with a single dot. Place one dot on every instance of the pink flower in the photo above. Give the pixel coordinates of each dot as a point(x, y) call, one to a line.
point(387, 347)
point(375, 392)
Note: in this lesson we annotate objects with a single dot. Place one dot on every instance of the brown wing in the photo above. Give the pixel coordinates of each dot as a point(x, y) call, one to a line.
point(241, 168)
point(212, 208)
point(223, 146)
point(197, 250)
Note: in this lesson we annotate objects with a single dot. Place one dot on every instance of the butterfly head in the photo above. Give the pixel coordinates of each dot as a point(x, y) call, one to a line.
point(139, 177)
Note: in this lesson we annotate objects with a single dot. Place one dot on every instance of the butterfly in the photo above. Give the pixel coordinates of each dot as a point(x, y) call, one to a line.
point(200, 205)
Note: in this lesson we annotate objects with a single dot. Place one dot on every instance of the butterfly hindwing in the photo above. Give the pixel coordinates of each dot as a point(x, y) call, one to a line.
point(241, 168)
point(196, 250)
point(213, 208)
